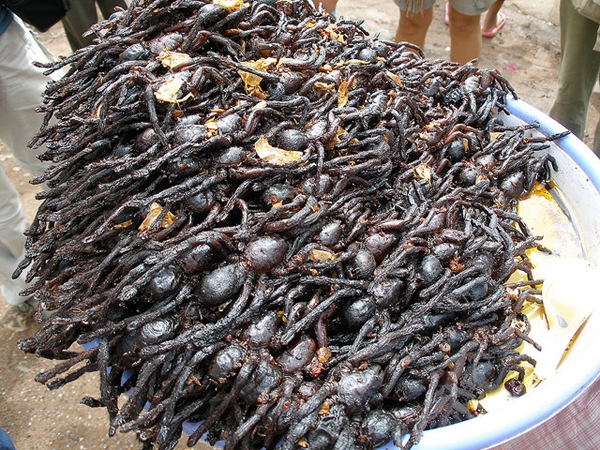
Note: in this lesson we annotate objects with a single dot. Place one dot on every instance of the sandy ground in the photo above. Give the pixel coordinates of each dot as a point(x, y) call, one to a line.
point(526, 52)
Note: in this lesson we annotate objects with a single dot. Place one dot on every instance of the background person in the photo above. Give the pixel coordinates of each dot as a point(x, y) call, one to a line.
point(464, 17)
point(83, 15)
point(5, 441)
point(328, 5)
point(579, 67)
point(494, 20)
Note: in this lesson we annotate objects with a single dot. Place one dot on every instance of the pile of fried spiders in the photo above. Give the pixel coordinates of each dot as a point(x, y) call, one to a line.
point(264, 223)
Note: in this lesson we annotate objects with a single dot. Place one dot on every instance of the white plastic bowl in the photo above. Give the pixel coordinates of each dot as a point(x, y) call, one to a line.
point(578, 178)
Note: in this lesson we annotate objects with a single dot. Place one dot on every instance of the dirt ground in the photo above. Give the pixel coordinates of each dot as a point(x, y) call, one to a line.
point(526, 52)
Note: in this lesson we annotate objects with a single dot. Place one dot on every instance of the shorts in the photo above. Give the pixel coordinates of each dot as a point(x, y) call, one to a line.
point(466, 7)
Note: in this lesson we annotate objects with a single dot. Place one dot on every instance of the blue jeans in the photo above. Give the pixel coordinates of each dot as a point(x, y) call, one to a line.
point(5, 442)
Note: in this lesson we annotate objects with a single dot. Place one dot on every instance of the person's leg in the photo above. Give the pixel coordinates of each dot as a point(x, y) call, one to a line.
point(465, 29)
point(578, 69)
point(465, 36)
point(77, 21)
point(597, 140)
point(107, 7)
point(490, 21)
point(5, 442)
point(21, 88)
point(328, 5)
point(12, 240)
point(413, 27)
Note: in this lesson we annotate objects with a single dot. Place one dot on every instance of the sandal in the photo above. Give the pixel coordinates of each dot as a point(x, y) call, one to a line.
point(494, 31)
